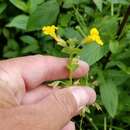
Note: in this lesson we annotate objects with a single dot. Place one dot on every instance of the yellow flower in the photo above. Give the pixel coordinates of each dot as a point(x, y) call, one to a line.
point(94, 31)
point(94, 36)
point(51, 31)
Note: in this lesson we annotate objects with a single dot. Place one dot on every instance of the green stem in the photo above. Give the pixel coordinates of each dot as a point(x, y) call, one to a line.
point(123, 23)
point(119, 8)
point(113, 127)
point(70, 78)
point(79, 45)
point(112, 9)
point(110, 128)
point(105, 123)
point(80, 31)
point(81, 122)
point(91, 122)
point(70, 71)
point(80, 20)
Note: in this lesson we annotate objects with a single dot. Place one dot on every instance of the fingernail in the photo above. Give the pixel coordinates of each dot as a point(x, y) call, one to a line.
point(84, 96)
point(84, 65)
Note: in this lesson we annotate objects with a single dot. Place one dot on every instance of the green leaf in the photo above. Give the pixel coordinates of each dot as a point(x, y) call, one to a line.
point(2, 7)
point(11, 49)
point(124, 55)
point(70, 33)
point(106, 25)
point(28, 39)
point(6, 33)
point(20, 4)
point(89, 11)
point(109, 96)
point(92, 53)
point(71, 51)
point(123, 67)
point(125, 101)
point(64, 19)
point(114, 46)
point(119, 1)
point(45, 14)
point(125, 119)
point(71, 3)
point(32, 44)
point(10, 54)
point(19, 22)
point(115, 75)
point(12, 45)
point(30, 49)
point(33, 4)
point(99, 4)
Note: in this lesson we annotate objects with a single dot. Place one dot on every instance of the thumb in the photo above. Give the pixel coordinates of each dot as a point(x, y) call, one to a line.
point(52, 113)
point(60, 106)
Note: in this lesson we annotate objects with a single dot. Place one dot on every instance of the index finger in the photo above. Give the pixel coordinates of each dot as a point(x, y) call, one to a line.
point(36, 69)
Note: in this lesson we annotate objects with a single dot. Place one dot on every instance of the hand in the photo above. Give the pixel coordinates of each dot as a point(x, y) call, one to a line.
point(30, 104)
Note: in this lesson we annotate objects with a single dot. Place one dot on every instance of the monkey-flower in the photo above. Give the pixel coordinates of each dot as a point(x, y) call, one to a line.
point(94, 37)
point(51, 31)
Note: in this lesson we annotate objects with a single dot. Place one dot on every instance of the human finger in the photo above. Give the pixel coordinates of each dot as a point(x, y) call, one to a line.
point(69, 126)
point(34, 70)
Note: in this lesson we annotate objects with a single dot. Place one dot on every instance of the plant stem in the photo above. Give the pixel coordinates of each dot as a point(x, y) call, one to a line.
point(120, 29)
point(70, 78)
point(80, 20)
point(70, 71)
point(110, 128)
point(113, 127)
point(80, 31)
point(91, 122)
point(105, 123)
point(112, 9)
point(81, 122)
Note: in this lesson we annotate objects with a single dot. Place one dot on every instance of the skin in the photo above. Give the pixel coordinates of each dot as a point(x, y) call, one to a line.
point(23, 80)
